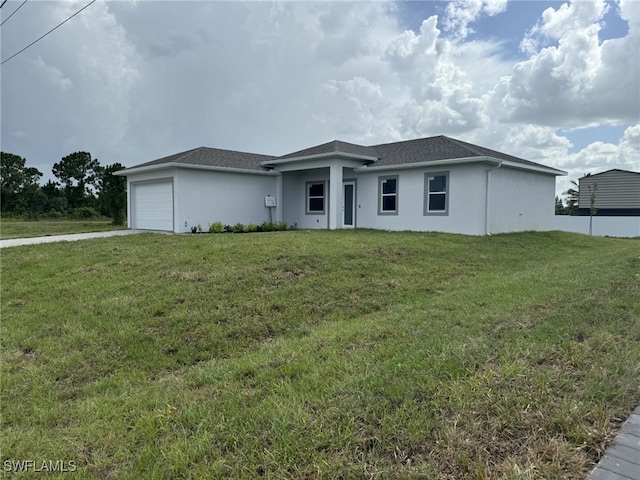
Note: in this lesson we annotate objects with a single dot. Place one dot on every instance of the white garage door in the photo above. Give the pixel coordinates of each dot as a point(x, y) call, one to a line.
point(152, 206)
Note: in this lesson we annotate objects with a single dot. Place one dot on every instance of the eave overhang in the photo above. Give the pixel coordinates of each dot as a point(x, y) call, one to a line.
point(462, 161)
point(322, 156)
point(190, 166)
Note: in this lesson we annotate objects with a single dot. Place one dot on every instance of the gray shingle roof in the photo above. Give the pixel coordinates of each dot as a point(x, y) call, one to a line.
point(388, 154)
point(215, 157)
point(437, 148)
point(411, 151)
point(335, 146)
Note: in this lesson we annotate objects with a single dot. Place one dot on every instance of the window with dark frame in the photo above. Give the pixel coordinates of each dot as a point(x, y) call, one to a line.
point(436, 195)
point(388, 195)
point(315, 197)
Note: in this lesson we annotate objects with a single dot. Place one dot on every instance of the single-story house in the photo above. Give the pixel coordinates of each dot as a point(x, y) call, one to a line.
point(428, 184)
point(616, 193)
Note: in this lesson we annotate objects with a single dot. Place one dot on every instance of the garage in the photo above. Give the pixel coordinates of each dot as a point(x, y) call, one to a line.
point(152, 205)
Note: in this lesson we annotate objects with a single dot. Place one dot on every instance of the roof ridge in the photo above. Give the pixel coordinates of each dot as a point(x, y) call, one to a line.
point(610, 170)
point(407, 141)
point(467, 146)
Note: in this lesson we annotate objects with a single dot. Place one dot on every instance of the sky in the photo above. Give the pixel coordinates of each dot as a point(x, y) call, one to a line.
point(131, 81)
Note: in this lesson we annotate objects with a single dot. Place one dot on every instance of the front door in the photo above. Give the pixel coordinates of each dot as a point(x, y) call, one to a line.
point(349, 204)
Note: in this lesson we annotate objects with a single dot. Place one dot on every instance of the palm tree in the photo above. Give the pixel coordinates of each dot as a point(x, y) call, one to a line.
point(572, 197)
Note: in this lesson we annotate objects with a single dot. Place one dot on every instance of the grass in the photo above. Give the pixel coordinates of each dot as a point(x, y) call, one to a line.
point(355, 354)
point(18, 228)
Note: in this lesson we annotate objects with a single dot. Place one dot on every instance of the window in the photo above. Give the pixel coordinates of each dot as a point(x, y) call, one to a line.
point(388, 195)
point(436, 195)
point(315, 198)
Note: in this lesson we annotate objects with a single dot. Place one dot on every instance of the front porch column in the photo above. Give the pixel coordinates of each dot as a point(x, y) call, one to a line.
point(335, 191)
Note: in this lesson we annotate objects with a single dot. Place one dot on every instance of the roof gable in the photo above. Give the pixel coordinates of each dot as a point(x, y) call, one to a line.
point(335, 146)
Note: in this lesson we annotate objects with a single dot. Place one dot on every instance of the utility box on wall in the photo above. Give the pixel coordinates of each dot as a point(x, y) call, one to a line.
point(270, 201)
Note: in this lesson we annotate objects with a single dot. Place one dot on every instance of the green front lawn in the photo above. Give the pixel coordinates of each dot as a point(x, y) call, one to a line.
point(18, 228)
point(346, 354)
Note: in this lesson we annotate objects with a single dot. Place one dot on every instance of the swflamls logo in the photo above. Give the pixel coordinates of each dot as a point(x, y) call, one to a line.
point(18, 466)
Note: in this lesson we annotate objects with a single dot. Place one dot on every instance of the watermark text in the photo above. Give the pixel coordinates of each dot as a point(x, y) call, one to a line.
point(18, 466)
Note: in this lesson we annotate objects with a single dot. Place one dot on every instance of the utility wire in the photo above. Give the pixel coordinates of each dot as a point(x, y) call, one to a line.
point(19, 7)
point(37, 40)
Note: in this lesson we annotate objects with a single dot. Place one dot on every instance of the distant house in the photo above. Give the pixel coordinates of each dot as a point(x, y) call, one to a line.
point(429, 184)
point(617, 193)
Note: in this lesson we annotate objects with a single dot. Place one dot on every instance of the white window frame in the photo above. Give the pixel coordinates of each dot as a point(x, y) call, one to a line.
point(309, 197)
point(382, 195)
point(428, 193)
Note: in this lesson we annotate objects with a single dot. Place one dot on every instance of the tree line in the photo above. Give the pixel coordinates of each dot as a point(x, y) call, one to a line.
point(84, 188)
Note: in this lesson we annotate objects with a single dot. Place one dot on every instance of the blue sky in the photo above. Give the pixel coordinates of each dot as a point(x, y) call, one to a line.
point(131, 81)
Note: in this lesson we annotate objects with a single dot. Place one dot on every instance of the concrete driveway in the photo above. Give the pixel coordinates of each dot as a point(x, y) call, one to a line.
point(17, 242)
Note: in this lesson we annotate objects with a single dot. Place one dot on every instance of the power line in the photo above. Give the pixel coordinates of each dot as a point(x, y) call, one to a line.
point(54, 28)
point(4, 1)
point(19, 7)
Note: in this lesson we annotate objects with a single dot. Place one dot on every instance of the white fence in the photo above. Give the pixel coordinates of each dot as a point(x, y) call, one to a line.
point(602, 226)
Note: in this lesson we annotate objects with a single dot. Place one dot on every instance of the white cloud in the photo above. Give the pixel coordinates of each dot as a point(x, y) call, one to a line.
point(359, 112)
point(403, 51)
point(460, 13)
point(439, 96)
point(557, 24)
point(133, 81)
point(578, 82)
point(53, 74)
point(601, 156)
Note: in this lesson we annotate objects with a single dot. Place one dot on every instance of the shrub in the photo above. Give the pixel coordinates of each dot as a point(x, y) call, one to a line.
point(252, 227)
point(281, 226)
point(216, 227)
point(85, 212)
point(237, 228)
point(119, 217)
point(268, 227)
point(55, 215)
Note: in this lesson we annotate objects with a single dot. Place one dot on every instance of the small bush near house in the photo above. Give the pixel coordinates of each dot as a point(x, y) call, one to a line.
point(238, 228)
point(216, 227)
point(281, 226)
point(267, 227)
point(252, 227)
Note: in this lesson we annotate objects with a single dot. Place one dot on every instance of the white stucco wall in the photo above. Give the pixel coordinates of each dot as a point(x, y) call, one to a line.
point(520, 200)
point(466, 201)
point(204, 197)
point(294, 198)
point(601, 226)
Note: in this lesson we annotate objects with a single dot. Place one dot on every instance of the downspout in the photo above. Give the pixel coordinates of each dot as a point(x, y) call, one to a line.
point(488, 192)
